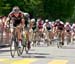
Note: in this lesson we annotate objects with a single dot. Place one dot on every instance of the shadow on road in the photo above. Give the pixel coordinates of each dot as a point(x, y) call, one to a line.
point(44, 56)
point(35, 55)
point(38, 54)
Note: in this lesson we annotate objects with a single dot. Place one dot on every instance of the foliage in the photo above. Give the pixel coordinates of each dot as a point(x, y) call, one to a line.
point(52, 9)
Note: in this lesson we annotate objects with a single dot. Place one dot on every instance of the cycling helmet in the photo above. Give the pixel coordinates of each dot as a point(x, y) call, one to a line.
point(67, 23)
point(50, 22)
point(61, 22)
point(46, 20)
point(33, 20)
point(57, 21)
point(16, 9)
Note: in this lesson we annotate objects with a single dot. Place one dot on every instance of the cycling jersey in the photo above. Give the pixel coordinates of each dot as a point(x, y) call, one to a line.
point(16, 20)
point(40, 24)
point(68, 28)
point(59, 26)
point(34, 26)
point(73, 27)
point(48, 26)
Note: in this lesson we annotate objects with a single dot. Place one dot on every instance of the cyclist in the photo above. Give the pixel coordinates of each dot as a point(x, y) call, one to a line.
point(34, 24)
point(73, 31)
point(17, 18)
point(40, 24)
point(68, 30)
point(67, 27)
point(31, 28)
point(40, 27)
point(73, 27)
point(48, 25)
point(59, 27)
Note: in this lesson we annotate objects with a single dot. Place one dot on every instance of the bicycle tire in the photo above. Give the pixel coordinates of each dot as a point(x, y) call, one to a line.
point(12, 51)
point(26, 50)
point(20, 50)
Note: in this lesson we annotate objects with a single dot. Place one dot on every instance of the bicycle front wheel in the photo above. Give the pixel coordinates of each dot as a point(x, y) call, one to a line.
point(20, 50)
point(13, 48)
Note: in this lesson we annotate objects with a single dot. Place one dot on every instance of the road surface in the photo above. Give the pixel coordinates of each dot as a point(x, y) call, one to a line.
point(41, 55)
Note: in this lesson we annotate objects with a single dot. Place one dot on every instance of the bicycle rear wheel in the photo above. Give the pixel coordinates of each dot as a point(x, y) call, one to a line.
point(26, 49)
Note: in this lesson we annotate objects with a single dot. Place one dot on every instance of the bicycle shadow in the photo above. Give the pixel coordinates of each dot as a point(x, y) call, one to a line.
point(35, 55)
point(44, 56)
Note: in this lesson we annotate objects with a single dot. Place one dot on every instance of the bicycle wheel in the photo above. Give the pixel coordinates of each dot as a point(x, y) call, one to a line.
point(20, 51)
point(27, 47)
point(13, 48)
point(23, 44)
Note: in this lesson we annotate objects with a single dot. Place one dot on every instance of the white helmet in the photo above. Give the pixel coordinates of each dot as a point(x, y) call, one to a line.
point(73, 24)
point(33, 20)
point(61, 22)
point(46, 20)
point(57, 20)
point(50, 22)
point(67, 23)
point(26, 14)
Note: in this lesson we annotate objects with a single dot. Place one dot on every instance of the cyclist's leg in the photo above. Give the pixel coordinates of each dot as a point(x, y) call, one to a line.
point(70, 37)
point(28, 40)
point(50, 36)
point(31, 35)
point(62, 37)
point(73, 37)
point(19, 37)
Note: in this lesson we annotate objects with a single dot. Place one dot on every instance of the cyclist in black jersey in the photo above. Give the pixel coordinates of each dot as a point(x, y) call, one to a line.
point(17, 18)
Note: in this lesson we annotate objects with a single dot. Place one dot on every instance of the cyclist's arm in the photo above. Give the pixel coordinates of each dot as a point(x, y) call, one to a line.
point(8, 20)
point(22, 21)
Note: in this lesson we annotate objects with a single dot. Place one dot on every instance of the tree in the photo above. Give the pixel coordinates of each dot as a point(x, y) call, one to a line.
point(52, 9)
point(62, 9)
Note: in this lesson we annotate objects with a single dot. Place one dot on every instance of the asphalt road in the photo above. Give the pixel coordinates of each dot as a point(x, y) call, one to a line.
point(41, 55)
